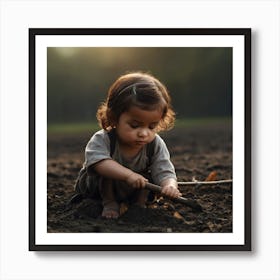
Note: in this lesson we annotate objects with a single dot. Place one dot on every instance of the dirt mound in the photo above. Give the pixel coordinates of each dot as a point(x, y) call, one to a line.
point(195, 153)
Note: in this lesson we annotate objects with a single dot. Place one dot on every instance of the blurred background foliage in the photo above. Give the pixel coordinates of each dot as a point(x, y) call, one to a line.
point(198, 79)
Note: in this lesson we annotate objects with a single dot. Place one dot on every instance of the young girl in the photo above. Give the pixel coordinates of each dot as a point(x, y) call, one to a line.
point(127, 152)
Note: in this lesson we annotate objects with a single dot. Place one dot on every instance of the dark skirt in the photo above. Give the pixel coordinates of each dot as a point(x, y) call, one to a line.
point(88, 186)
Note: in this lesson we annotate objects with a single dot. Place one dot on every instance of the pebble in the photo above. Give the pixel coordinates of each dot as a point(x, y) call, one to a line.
point(169, 230)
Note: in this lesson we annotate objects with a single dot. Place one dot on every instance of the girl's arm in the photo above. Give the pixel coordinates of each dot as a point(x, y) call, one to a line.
point(113, 170)
point(163, 171)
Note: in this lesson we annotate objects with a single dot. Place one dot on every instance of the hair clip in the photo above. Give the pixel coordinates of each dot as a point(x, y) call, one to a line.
point(134, 90)
point(133, 86)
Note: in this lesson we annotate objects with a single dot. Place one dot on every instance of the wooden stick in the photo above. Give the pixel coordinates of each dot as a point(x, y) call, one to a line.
point(205, 182)
point(189, 202)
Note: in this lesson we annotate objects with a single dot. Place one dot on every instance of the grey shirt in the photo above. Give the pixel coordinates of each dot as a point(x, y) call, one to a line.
point(98, 148)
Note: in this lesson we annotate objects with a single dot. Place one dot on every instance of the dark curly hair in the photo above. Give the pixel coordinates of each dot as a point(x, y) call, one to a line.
point(136, 89)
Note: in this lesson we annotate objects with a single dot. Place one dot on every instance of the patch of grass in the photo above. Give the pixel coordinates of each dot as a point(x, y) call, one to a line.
point(75, 128)
point(194, 122)
point(72, 128)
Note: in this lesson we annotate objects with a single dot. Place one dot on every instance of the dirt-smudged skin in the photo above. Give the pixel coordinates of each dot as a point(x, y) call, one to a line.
point(195, 152)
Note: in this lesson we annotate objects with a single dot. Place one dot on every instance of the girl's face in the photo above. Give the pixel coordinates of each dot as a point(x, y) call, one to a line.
point(136, 127)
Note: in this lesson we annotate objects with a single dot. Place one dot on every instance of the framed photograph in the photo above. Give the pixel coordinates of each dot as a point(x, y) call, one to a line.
point(206, 74)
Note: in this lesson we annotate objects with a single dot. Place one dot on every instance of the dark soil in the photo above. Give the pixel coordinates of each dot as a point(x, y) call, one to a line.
point(195, 152)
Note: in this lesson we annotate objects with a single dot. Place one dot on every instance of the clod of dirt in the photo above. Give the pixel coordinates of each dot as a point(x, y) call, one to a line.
point(158, 218)
point(88, 208)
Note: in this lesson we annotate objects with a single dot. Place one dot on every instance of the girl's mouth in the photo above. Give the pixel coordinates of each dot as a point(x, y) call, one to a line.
point(140, 142)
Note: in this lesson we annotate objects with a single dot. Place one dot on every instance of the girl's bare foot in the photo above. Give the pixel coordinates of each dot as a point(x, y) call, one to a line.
point(111, 210)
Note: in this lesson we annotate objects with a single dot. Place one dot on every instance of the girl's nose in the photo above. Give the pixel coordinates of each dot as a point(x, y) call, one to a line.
point(143, 133)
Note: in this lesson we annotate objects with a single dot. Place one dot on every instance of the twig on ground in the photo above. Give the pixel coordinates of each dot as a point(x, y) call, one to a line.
point(205, 182)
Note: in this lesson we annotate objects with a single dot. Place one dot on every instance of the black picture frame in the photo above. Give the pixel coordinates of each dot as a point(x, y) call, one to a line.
point(244, 33)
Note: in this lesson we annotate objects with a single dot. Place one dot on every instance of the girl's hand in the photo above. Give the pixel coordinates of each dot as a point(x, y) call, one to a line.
point(136, 180)
point(169, 188)
point(171, 191)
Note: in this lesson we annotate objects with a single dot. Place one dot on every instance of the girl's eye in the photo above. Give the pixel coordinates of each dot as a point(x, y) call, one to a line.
point(136, 125)
point(153, 126)
point(133, 125)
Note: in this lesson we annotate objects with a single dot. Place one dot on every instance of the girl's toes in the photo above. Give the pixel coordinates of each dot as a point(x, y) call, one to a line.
point(111, 211)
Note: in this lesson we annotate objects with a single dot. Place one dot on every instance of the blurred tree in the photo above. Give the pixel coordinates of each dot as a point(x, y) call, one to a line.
point(199, 79)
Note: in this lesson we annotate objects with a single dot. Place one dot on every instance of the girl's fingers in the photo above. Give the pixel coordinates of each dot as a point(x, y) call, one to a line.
point(172, 192)
point(140, 183)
